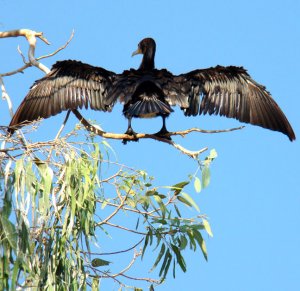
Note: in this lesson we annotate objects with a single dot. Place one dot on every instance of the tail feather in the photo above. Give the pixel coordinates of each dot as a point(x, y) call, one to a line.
point(148, 107)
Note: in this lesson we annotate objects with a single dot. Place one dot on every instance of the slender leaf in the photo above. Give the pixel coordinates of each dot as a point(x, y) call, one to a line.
point(167, 257)
point(193, 245)
point(160, 255)
point(167, 266)
point(201, 242)
point(145, 244)
point(191, 201)
point(95, 284)
point(177, 210)
point(197, 185)
point(179, 257)
point(205, 177)
point(184, 201)
point(179, 186)
point(99, 262)
point(207, 227)
point(10, 232)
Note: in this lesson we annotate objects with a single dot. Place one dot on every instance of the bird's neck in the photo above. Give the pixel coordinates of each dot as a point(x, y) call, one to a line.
point(148, 60)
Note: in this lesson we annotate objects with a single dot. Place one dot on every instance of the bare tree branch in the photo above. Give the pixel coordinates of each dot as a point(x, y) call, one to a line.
point(6, 97)
point(31, 36)
point(21, 32)
point(192, 154)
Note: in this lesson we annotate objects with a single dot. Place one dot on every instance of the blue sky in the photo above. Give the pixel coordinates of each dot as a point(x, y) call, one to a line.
point(253, 200)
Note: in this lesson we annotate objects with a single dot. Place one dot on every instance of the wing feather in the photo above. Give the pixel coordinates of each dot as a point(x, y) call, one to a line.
point(231, 92)
point(69, 85)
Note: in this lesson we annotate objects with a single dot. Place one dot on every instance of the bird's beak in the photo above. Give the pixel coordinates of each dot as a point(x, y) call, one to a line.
point(137, 52)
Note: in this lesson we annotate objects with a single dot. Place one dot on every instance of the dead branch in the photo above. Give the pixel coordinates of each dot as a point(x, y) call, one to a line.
point(6, 97)
point(22, 32)
point(191, 154)
point(31, 37)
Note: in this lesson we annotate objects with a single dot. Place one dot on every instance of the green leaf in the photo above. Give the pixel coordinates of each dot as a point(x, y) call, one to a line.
point(179, 257)
point(179, 186)
point(106, 144)
point(207, 227)
point(177, 210)
point(104, 203)
point(145, 244)
point(192, 240)
point(213, 154)
point(18, 267)
point(191, 201)
point(161, 205)
point(31, 180)
point(205, 177)
point(10, 232)
point(151, 192)
point(183, 242)
point(197, 185)
point(95, 284)
point(184, 201)
point(99, 262)
point(167, 258)
point(161, 253)
point(197, 235)
point(167, 266)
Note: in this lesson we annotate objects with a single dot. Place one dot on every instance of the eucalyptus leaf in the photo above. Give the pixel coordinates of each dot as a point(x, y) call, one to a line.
point(100, 262)
point(197, 184)
point(160, 255)
point(191, 201)
point(9, 231)
point(179, 186)
point(207, 227)
point(205, 177)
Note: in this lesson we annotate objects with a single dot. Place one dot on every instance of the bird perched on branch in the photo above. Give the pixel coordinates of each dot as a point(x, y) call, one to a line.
point(149, 92)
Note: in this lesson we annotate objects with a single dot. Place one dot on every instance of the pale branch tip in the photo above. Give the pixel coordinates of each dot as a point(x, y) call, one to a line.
point(28, 33)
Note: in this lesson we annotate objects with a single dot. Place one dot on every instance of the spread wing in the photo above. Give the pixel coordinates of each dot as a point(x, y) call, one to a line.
point(69, 85)
point(230, 92)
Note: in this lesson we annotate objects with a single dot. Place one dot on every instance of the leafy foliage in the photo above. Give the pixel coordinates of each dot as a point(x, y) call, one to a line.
point(62, 199)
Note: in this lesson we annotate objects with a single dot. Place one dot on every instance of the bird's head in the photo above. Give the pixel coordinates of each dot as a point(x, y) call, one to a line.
point(147, 48)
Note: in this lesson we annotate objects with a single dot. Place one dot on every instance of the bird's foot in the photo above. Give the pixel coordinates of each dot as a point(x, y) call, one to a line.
point(163, 133)
point(131, 132)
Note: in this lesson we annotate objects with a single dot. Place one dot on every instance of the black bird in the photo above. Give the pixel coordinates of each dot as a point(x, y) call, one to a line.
point(148, 92)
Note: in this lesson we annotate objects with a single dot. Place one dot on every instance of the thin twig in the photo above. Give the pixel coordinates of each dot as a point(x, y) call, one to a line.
point(115, 253)
point(142, 279)
point(123, 228)
point(135, 256)
point(59, 49)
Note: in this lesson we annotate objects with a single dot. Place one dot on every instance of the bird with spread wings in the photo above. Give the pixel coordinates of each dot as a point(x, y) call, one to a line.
point(149, 92)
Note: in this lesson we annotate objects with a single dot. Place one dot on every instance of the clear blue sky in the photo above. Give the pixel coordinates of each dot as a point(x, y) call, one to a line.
point(253, 201)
